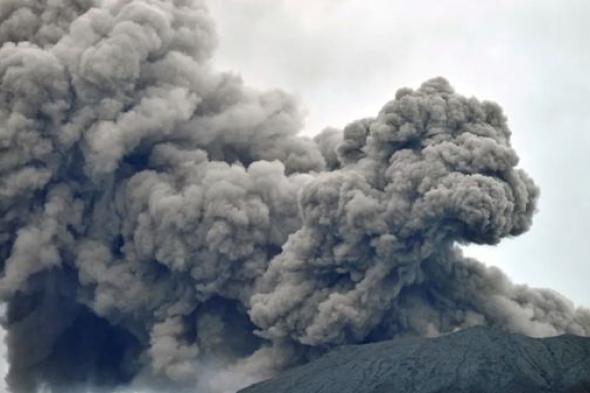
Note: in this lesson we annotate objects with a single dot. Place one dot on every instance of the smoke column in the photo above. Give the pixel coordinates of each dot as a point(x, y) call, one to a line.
point(163, 227)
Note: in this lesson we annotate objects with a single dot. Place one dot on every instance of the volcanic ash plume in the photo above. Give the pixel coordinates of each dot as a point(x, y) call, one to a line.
point(163, 226)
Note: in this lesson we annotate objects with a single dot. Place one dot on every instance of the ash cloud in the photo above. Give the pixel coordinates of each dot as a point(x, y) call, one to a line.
point(163, 225)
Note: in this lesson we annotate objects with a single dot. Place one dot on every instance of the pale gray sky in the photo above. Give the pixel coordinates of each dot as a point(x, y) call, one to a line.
point(346, 58)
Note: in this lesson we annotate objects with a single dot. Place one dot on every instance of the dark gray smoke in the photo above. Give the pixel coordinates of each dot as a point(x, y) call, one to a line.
point(164, 226)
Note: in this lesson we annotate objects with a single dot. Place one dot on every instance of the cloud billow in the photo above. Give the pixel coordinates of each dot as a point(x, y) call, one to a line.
point(163, 225)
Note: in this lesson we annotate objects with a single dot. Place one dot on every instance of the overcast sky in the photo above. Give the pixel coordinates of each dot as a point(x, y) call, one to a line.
point(346, 58)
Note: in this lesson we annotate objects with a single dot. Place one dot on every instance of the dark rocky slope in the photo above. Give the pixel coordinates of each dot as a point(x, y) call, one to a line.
point(474, 360)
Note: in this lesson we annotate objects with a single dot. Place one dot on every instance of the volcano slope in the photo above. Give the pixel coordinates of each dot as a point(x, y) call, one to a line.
point(479, 360)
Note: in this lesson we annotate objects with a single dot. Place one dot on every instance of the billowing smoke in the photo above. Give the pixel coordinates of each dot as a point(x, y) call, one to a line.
point(164, 226)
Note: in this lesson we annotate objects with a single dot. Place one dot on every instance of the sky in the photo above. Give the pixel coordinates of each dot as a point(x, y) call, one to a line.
point(345, 58)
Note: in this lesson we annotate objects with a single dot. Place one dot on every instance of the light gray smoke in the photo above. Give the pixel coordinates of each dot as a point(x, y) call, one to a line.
point(163, 225)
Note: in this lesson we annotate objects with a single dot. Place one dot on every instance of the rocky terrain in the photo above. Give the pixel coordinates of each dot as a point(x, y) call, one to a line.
point(479, 360)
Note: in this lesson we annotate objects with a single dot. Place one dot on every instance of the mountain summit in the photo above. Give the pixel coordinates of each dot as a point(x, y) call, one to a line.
point(478, 360)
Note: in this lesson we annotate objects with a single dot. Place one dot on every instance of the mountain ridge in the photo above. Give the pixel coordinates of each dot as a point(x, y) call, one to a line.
point(479, 359)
